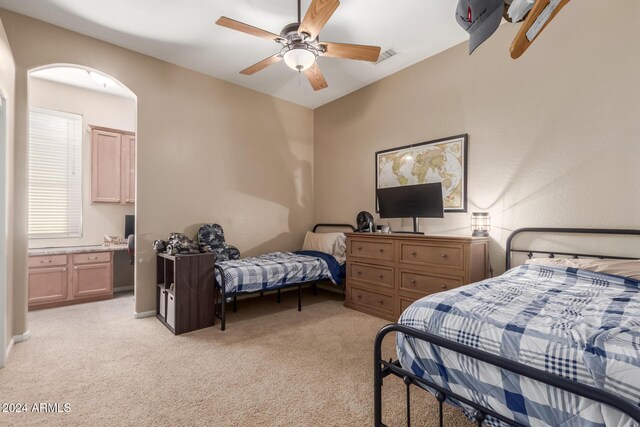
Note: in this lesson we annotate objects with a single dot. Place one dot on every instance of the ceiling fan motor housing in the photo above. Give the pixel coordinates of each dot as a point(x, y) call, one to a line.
point(290, 34)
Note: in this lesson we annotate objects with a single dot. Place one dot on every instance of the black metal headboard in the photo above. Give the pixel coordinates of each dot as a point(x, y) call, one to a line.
point(552, 254)
point(315, 227)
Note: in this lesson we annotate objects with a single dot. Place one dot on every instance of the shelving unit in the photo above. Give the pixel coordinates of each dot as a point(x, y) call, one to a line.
point(189, 304)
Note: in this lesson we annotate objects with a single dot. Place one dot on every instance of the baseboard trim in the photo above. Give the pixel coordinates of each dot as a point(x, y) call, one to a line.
point(144, 314)
point(123, 289)
point(9, 348)
point(20, 338)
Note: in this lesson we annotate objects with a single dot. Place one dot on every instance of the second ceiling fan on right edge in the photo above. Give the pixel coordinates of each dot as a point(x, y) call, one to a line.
point(300, 44)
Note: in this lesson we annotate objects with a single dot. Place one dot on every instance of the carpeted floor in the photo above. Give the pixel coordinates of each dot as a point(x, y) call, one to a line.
point(272, 367)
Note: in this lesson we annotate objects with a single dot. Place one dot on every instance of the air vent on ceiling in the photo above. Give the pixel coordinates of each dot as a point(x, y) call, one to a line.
point(386, 55)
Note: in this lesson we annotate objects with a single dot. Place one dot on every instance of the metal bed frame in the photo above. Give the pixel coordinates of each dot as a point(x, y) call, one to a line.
point(383, 368)
point(221, 288)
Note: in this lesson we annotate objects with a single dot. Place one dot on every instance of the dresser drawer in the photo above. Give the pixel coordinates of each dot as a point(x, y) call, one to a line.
point(47, 261)
point(404, 303)
point(449, 256)
point(377, 250)
point(92, 258)
point(376, 275)
point(372, 300)
point(426, 284)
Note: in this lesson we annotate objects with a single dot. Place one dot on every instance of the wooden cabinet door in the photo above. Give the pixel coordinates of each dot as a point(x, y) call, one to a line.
point(91, 280)
point(128, 169)
point(106, 154)
point(48, 285)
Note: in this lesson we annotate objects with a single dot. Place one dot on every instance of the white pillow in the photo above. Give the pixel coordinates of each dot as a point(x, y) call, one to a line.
point(618, 267)
point(329, 243)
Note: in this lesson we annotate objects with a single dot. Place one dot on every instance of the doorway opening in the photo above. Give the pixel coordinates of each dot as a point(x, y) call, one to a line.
point(5, 333)
point(82, 186)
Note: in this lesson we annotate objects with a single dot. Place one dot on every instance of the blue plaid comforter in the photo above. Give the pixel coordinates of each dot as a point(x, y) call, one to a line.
point(581, 325)
point(276, 270)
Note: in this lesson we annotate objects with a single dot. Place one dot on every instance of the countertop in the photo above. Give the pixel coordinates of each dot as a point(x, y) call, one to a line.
point(76, 249)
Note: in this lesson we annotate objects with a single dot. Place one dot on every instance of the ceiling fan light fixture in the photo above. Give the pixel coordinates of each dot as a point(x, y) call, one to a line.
point(299, 58)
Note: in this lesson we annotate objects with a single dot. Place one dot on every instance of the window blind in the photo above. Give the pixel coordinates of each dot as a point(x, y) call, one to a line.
point(55, 174)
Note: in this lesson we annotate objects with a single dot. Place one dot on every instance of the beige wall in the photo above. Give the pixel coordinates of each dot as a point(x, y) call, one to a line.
point(7, 88)
point(201, 144)
point(553, 135)
point(97, 109)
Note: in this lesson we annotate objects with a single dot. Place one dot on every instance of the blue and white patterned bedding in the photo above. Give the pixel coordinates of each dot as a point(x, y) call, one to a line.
point(581, 325)
point(276, 270)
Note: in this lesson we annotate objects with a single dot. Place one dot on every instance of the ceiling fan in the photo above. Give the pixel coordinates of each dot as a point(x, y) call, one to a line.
point(300, 44)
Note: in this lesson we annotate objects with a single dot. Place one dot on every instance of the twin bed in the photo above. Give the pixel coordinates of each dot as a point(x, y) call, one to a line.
point(322, 258)
point(546, 343)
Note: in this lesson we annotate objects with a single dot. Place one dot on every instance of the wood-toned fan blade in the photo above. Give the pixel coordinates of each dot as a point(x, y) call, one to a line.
point(315, 77)
point(351, 51)
point(246, 28)
point(317, 16)
point(261, 65)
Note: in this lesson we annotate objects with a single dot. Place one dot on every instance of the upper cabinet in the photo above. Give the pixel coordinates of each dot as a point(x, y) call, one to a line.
point(128, 168)
point(113, 162)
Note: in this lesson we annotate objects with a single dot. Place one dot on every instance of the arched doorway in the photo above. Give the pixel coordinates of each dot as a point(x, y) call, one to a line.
point(92, 118)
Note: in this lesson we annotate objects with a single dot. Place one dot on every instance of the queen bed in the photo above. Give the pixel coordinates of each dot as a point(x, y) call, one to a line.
point(551, 342)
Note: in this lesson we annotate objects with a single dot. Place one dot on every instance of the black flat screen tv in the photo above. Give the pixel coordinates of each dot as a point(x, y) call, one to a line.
point(411, 201)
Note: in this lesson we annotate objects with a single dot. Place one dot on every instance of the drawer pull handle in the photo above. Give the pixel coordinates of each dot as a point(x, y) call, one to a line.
point(443, 287)
point(92, 257)
point(359, 296)
point(381, 301)
point(412, 281)
point(445, 256)
point(414, 253)
point(381, 276)
point(381, 251)
point(359, 273)
point(359, 248)
point(46, 262)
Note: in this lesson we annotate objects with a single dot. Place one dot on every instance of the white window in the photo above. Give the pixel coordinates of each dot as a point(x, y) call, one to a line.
point(55, 174)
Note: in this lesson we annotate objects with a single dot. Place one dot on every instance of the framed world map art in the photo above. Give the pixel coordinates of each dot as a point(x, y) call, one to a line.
point(443, 160)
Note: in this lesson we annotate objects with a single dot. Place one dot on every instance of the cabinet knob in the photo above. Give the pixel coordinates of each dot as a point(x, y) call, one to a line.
point(359, 296)
point(381, 276)
point(445, 256)
point(359, 273)
point(46, 262)
point(92, 257)
point(75, 268)
point(414, 253)
point(359, 248)
point(412, 281)
point(64, 269)
point(381, 301)
point(381, 251)
point(443, 287)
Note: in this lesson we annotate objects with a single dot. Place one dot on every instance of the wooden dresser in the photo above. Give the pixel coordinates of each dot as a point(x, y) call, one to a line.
point(388, 272)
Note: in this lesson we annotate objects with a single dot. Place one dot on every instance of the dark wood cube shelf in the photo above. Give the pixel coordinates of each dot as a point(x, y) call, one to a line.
point(189, 305)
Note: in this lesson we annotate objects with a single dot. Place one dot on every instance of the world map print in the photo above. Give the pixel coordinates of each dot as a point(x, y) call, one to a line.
point(431, 162)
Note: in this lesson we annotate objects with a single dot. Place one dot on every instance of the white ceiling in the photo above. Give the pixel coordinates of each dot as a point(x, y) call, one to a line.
point(81, 78)
point(183, 32)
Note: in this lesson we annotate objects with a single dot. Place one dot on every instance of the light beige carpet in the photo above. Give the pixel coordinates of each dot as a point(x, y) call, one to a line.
point(273, 366)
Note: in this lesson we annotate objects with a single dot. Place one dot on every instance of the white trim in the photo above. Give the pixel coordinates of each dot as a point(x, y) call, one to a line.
point(6, 355)
point(20, 338)
point(144, 314)
point(14, 340)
